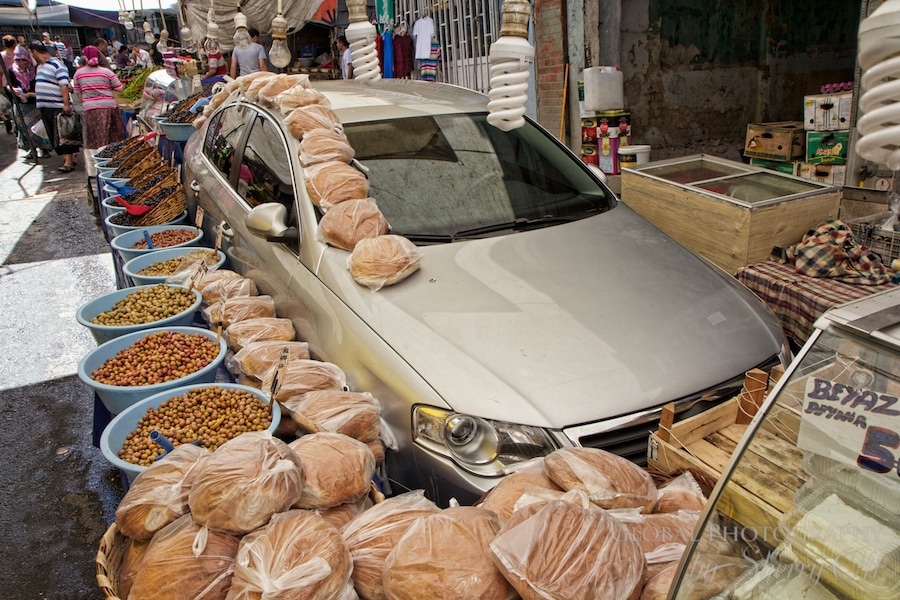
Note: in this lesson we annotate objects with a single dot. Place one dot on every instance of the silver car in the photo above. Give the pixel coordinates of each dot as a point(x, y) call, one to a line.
point(545, 312)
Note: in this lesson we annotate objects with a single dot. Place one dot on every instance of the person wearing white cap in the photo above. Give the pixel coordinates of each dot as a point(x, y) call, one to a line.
point(51, 47)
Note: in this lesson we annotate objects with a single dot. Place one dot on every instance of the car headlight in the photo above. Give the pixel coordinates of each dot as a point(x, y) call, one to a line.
point(481, 446)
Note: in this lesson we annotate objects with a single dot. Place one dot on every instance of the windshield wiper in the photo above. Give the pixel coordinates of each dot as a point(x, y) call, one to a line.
point(518, 224)
point(434, 238)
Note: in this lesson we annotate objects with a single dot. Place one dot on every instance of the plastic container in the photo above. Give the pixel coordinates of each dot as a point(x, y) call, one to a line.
point(633, 156)
point(117, 398)
point(117, 430)
point(603, 89)
point(105, 333)
point(118, 230)
point(123, 243)
point(138, 263)
point(104, 180)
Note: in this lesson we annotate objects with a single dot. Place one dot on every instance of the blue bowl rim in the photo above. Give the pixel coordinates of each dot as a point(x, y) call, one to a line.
point(183, 215)
point(112, 456)
point(80, 317)
point(116, 243)
point(184, 249)
point(135, 336)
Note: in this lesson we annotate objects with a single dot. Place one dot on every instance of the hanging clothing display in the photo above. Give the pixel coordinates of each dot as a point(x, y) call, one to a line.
point(387, 55)
point(403, 53)
point(428, 69)
point(423, 31)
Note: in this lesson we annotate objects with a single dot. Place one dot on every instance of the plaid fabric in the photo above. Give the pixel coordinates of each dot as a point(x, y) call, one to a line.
point(798, 300)
point(830, 250)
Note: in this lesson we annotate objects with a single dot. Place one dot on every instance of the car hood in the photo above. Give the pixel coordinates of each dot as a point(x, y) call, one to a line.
point(567, 324)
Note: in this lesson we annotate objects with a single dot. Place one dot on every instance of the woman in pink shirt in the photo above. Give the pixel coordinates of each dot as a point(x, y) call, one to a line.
point(95, 85)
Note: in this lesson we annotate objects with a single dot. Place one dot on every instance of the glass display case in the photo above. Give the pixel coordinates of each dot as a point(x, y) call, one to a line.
point(726, 211)
point(160, 90)
point(837, 414)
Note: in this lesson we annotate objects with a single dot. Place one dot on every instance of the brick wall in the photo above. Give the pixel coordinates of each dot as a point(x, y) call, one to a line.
point(549, 61)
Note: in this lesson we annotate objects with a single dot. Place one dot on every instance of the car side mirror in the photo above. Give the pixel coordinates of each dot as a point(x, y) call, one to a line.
point(268, 220)
point(598, 172)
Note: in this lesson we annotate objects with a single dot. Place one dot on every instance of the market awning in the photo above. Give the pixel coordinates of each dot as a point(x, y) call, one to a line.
point(98, 19)
point(43, 16)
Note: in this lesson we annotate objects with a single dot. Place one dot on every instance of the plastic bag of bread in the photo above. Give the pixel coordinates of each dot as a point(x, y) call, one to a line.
point(302, 376)
point(355, 414)
point(277, 85)
point(132, 555)
point(338, 469)
point(159, 494)
point(610, 481)
point(657, 587)
point(241, 333)
point(223, 288)
point(253, 88)
point(185, 561)
point(296, 97)
point(567, 552)
point(255, 358)
point(373, 534)
point(330, 183)
point(304, 119)
point(503, 497)
point(297, 554)
point(232, 310)
point(681, 493)
point(345, 224)
point(342, 514)
point(323, 145)
point(243, 82)
point(655, 531)
point(211, 277)
point(383, 260)
point(446, 555)
point(245, 481)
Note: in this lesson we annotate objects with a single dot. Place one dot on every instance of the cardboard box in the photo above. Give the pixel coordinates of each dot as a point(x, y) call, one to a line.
point(782, 140)
point(827, 147)
point(789, 168)
point(827, 174)
point(827, 112)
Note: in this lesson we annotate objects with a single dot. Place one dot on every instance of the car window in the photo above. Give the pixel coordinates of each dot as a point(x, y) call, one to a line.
point(443, 175)
point(265, 166)
point(222, 136)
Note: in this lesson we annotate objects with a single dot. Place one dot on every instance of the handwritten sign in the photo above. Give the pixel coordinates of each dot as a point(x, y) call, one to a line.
point(198, 218)
point(854, 425)
point(218, 245)
point(279, 373)
point(201, 270)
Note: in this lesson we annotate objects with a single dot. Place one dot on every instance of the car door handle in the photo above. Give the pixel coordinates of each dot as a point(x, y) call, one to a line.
point(195, 186)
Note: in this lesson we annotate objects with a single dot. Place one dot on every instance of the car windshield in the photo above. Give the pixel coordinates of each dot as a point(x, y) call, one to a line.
point(447, 177)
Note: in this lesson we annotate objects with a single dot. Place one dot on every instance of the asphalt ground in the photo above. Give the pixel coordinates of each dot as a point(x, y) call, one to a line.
point(57, 493)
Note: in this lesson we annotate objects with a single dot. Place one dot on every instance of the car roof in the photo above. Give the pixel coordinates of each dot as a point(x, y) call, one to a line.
point(355, 101)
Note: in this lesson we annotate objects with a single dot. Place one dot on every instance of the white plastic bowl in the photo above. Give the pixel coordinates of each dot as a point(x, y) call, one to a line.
point(117, 398)
point(118, 230)
point(123, 242)
point(104, 333)
point(138, 263)
point(115, 433)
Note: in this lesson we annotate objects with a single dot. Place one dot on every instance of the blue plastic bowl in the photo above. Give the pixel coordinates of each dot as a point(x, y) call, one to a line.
point(104, 333)
point(115, 433)
point(177, 132)
point(113, 181)
point(118, 230)
point(117, 398)
point(123, 243)
point(138, 263)
point(108, 207)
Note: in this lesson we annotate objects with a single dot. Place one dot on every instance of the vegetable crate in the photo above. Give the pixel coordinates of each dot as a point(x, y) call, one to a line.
point(706, 442)
point(869, 233)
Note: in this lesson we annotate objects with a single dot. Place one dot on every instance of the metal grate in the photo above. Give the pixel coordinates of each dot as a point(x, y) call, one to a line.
point(882, 242)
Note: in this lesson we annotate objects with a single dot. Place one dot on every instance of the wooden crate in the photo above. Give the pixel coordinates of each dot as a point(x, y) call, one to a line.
point(761, 493)
point(730, 234)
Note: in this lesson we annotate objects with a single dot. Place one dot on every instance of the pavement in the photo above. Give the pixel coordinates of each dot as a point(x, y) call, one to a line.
point(58, 494)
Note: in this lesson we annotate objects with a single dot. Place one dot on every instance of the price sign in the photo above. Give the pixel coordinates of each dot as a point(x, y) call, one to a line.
point(218, 317)
point(198, 218)
point(201, 270)
point(218, 237)
point(855, 425)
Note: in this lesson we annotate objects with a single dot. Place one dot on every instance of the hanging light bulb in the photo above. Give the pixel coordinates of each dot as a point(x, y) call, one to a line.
point(279, 54)
point(148, 33)
point(211, 45)
point(241, 34)
point(162, 45)
point(361, 36)
point(187, 36)
point(511, 58)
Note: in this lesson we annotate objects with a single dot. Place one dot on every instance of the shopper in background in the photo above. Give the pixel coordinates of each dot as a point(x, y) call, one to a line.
point(346, 57)
point(23, 85)
point(103, 46)
point(51, 47)
point(123, 57)
point(95, 85)
point(141, 57)
point(53, 99)
point(250, 59)
point(156, 58)
point(6, 99)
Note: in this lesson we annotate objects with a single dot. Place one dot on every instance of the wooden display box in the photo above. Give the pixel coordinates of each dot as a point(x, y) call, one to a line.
point(728, 212)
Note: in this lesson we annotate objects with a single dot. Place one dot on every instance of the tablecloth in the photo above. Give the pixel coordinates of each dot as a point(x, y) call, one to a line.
point(798, 300)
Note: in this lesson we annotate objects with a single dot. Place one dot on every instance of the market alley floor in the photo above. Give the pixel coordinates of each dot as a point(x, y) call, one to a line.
point(57, 492)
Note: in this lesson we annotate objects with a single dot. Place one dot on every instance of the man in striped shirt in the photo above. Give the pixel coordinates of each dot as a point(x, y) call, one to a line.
point(53, 99)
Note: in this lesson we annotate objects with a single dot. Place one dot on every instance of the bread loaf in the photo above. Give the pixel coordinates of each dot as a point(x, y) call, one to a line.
point(503, 497)
point(355, 414)
point(239, 334)
point(236, 309)
point(297, 554)
point(159, 494)
point(253, 88)
point(654, 531)
point(226, 288)
point(302, 376)
point(243, 82)
point(304, 119)
point(345, 224)
point(446, 555)
point(323, 145)
point(330, 183)
point(338, 469)
point(610, 481)
point(132, 557)
point(374, 533)
point(245, 481)
point(383, 260)
point(681, 493)
point(567, 552)
point(657, 587)
point(279, 84)
point(179, 563)
point(342, 514)
point(254, 359)
point(296, 97)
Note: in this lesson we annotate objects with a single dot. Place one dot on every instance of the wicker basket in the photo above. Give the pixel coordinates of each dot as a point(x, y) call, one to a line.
point(869, 233)
point(109, 560)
